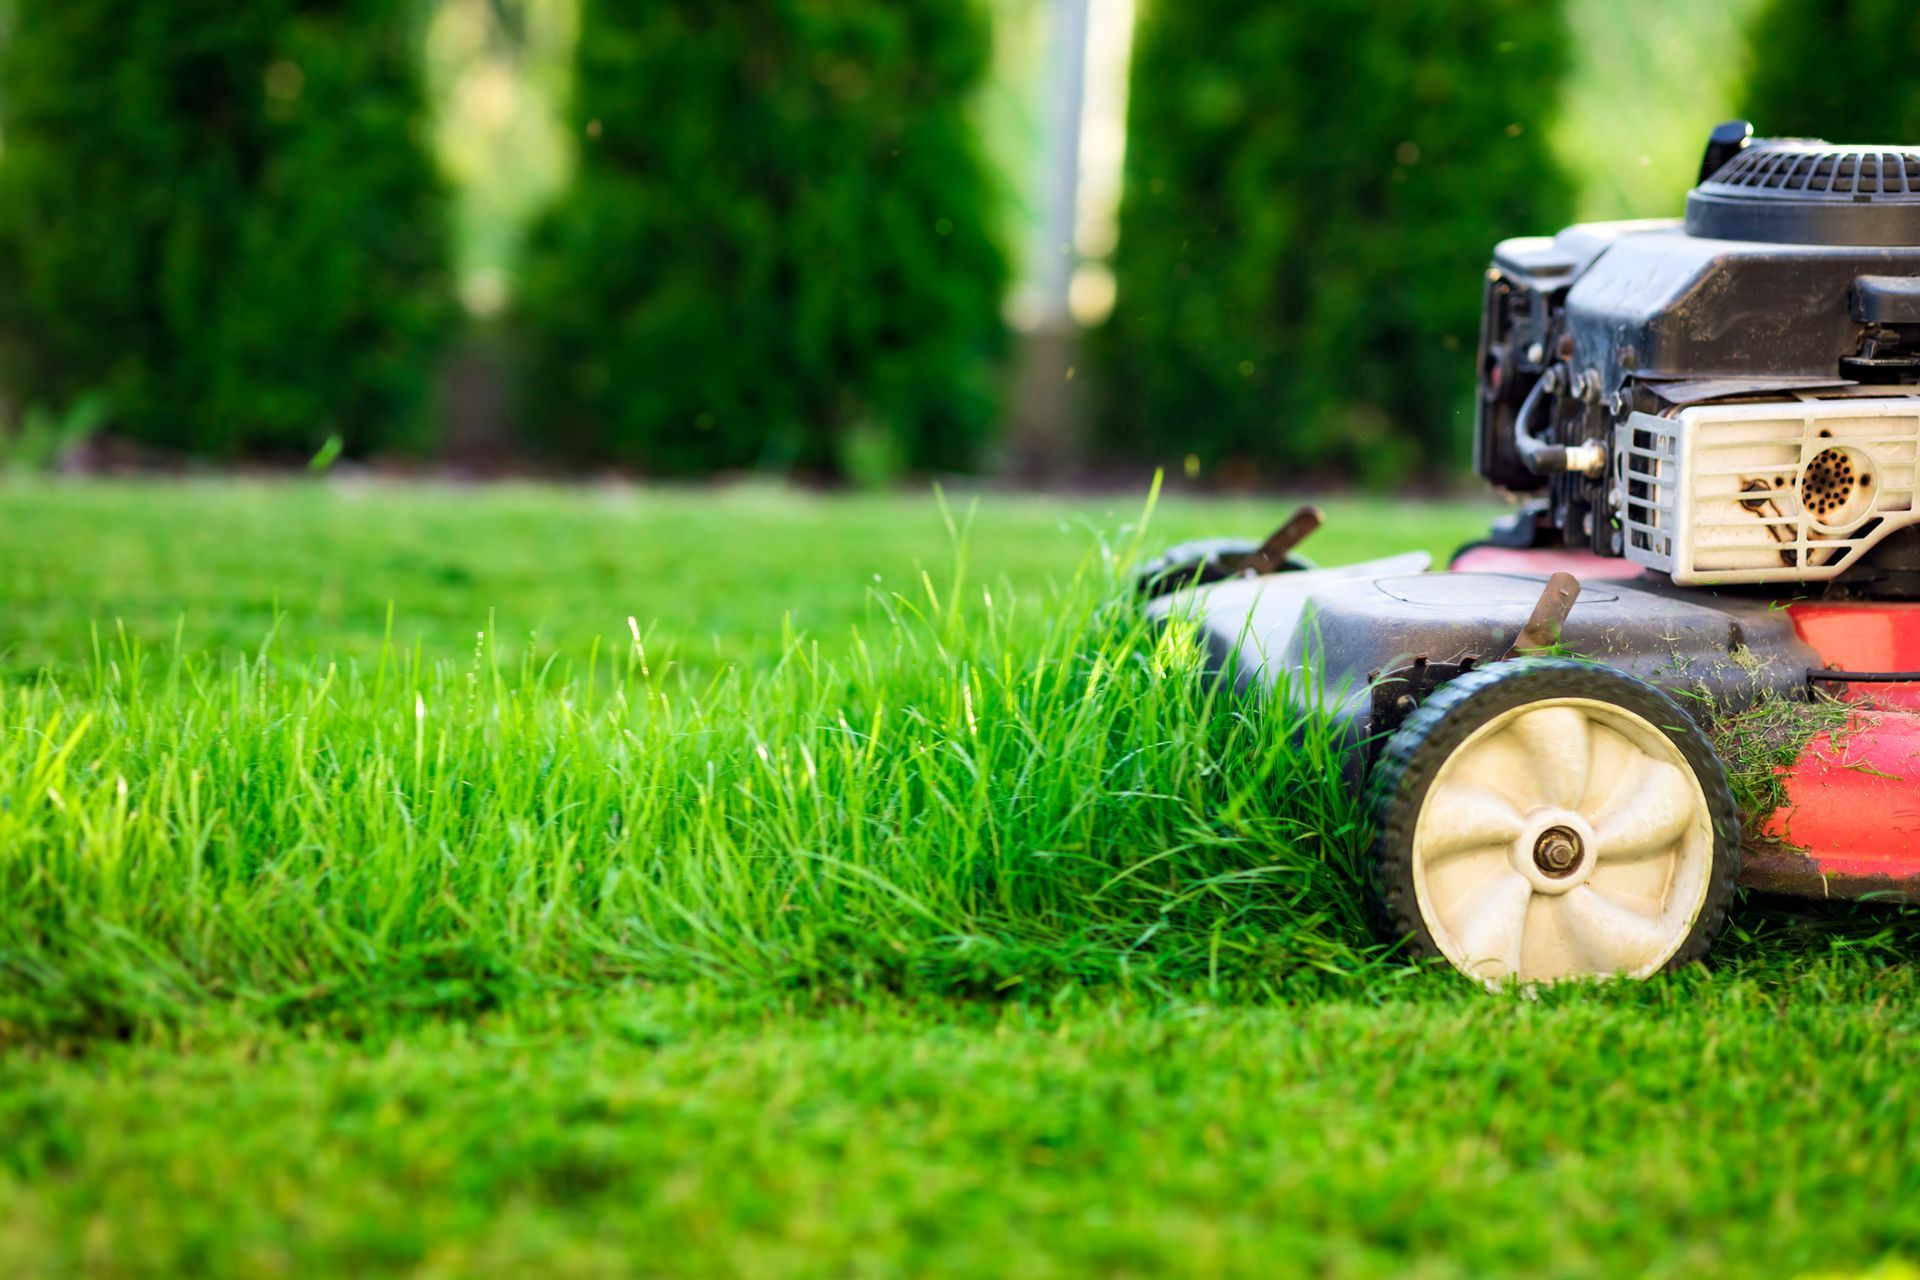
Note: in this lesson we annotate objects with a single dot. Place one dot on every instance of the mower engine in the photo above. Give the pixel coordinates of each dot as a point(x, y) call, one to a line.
point(1729, 398)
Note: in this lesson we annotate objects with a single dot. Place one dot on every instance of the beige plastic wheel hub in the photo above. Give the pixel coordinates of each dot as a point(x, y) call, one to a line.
point(1564, 838)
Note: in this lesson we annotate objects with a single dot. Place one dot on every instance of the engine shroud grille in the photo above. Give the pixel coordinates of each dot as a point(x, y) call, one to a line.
point(1793, 491)
point(1817, 171)
point(1804, 191)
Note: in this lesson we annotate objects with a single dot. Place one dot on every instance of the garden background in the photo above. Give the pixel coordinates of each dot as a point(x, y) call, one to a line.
point(1042, 240)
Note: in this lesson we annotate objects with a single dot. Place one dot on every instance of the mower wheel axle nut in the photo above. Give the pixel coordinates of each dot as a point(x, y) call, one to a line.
point(1557, 852)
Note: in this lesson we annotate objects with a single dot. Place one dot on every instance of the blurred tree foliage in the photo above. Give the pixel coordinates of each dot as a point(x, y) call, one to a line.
point(1312, 193)
point(1836, 69)
point(222, 216)
point(779, 248)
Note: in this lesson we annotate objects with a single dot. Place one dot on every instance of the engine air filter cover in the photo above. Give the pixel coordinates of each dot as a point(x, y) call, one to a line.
point(1783, 491)
point(1804, 191)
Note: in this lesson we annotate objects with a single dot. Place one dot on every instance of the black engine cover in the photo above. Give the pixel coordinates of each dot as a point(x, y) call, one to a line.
point(1663, 305)
point(1796, 271)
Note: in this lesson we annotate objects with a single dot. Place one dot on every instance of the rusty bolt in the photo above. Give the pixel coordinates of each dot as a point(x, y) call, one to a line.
point(1557, 852)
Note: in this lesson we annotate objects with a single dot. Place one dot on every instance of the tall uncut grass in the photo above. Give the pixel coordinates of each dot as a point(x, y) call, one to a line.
point(986, 792)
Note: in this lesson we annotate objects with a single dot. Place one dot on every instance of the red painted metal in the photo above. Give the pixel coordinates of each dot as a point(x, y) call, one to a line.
point(1865, 636)
point(1850, 827)
point(1583, 565)
point(1851, 824)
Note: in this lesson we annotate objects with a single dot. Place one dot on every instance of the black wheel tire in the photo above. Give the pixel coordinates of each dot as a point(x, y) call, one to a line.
point(1411, 758)
point(1200, 561)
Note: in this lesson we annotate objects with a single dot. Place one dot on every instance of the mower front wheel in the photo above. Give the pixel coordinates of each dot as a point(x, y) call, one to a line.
point(1543, 819)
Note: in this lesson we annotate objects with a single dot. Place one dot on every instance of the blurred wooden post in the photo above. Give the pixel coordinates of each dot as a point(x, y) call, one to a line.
point(1044, 416)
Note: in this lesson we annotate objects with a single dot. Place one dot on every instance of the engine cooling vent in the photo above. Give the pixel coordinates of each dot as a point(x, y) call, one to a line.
point(1804, 191)
point(1780, 492)
point(1815, 171)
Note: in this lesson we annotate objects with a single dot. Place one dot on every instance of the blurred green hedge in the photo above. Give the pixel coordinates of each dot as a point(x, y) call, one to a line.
point(223, 216)
point(778, 250)
point(1842, 70)
point(1312, 193)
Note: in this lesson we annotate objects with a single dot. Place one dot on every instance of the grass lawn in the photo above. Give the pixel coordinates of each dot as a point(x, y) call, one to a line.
point(375, 898)
point(713, 575)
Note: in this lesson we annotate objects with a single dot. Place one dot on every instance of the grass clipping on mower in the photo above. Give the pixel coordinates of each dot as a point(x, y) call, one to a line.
point(1759, 745)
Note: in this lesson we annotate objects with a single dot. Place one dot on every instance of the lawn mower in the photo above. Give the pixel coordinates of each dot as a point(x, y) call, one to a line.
point(1709, 588)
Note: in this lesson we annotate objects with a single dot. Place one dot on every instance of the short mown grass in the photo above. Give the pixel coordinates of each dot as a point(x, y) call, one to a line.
point(591, 882)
